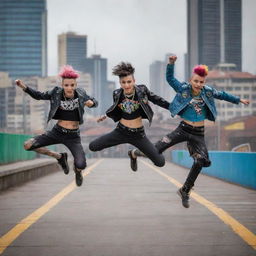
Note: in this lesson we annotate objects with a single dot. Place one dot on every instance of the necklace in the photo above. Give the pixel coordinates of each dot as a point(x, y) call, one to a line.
point(68, 98)
point(128, 96)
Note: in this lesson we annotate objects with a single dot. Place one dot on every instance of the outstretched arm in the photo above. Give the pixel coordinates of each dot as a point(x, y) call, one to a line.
point(172, 81)
point(221, 95)
point(37, 95)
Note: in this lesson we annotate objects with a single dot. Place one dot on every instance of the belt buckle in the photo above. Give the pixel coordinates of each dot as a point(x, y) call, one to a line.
point(64, 130)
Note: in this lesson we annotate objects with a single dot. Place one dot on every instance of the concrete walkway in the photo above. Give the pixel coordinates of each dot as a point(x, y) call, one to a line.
point(118, 212)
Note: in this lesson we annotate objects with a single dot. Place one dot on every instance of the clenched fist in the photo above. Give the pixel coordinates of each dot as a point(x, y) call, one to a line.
point(172, 59)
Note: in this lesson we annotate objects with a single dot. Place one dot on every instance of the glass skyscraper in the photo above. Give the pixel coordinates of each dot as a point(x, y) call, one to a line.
point(72, 49)
point(214, 33)
point(23, 37)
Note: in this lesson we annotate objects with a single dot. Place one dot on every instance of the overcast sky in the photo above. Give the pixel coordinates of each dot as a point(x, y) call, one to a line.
point(138, 31)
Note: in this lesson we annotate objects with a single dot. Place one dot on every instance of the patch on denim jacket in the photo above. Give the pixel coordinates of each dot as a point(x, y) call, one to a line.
point(209, 94)
point(184, 94)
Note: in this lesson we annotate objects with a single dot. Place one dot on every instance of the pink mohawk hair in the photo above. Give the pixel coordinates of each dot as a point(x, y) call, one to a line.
point(201, 70)
point(68, 72)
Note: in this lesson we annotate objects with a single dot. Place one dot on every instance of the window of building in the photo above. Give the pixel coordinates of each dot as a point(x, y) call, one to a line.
point(230, 113)
point(238, 88)
point(246, 88)
point(246, 96)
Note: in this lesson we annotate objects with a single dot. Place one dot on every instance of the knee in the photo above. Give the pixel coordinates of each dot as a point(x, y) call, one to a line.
point(93, 146)
point(202, 162)
point(28, 144)
point(160, 162)
point(80, 164)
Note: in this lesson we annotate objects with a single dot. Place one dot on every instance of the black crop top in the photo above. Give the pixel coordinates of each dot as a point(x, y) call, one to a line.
point(68, 109)
point(130, 107)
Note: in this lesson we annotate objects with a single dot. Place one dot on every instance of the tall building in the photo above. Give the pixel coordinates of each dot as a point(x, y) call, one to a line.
point(214, 33)
point(72, 49)
point(96, 66)
point(23, 37)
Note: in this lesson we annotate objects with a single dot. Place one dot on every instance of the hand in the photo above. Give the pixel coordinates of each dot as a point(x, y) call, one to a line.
point(89, 103)
point(102, 118)
point(20, 84)
point(172, 59)
point(245, 102)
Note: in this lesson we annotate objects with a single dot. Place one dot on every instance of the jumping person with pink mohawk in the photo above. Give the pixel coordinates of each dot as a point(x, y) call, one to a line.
point(194, 102)
point(67, 106)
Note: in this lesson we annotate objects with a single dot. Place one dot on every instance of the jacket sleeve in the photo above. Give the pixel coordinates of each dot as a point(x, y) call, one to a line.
point(161, 102)
point(95, 102)
point(37, 95)
point(87, 97)
point(172, 81)
point(221, 95)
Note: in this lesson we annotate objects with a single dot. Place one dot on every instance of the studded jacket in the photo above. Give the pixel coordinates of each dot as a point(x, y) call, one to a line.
point(184, 95)
point(55, 95)
point(144, 96)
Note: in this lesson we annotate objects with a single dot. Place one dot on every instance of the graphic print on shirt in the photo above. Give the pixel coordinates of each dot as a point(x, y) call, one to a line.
point(69, 104)
point(129, 106)
point(197, 103)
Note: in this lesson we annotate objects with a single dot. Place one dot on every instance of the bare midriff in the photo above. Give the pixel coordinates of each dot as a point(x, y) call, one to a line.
point(134, 123)
point(68, 124)
point(196, 124)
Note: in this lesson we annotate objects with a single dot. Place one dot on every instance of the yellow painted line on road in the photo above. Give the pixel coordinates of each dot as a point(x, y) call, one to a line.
point(24, 224)
point(238, 228)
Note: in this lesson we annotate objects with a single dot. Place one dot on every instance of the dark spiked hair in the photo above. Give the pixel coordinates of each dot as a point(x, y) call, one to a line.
point(123, 69)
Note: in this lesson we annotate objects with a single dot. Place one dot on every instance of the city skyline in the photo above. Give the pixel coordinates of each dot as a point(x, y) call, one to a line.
point(135, 32)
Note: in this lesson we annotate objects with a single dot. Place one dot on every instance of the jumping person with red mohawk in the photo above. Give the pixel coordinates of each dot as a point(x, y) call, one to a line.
point(67, 106)
point(194, 102)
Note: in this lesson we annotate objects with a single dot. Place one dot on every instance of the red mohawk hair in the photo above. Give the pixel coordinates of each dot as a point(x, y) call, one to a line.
point(201, 70)
point(68, 72)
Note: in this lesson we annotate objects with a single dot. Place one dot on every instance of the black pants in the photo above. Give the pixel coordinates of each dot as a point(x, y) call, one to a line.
point(196, 146)
point(70, 138)
point(134, 136)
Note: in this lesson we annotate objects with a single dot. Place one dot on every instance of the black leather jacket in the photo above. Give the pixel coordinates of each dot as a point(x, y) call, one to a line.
point(144, 95)
point(55, 95)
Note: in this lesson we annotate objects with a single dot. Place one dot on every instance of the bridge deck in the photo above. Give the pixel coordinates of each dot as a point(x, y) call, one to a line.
point(118, 212)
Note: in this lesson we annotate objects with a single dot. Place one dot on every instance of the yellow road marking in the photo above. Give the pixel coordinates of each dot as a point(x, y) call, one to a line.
point(238, 228)
point(24, 224)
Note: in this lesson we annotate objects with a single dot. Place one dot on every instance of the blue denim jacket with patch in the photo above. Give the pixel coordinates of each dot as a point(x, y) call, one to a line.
point(184, 95)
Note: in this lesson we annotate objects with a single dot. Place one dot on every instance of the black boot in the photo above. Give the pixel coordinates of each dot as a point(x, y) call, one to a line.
point(184, 192)
point(133, 161)
point(79, 177)
point(63, 162)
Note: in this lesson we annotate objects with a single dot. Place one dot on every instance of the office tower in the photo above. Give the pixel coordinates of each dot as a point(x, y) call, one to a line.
point(72, 49)
point(214, 33)
point(96, 66)
point(23, 37)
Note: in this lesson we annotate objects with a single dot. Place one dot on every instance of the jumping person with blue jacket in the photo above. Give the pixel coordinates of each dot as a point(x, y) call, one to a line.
point(194, 103)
